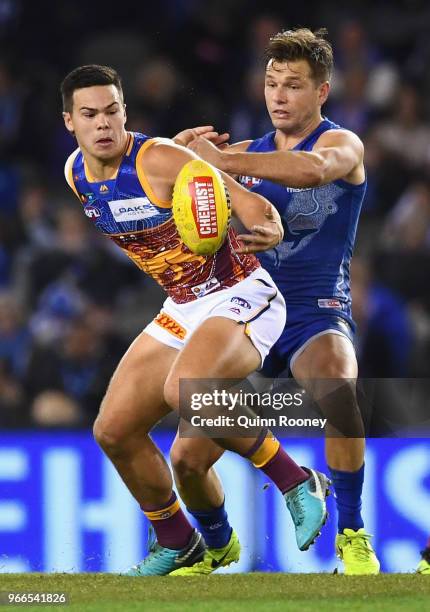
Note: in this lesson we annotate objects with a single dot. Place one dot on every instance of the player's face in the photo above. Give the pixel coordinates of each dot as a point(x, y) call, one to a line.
point(293, 98)
point(98, 121)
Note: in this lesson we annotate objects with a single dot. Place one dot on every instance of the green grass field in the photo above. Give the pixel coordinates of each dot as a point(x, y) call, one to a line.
point(250, 592)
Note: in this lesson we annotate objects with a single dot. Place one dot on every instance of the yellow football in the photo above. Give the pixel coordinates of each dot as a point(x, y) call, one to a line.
point(201, 207)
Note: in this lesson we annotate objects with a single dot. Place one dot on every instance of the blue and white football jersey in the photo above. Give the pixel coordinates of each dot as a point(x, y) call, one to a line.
point(312, 262)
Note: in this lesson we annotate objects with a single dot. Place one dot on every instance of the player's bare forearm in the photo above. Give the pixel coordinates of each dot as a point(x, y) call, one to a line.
point(338, 154)
point(299, 169)
point(264, 235)
point(258, 215)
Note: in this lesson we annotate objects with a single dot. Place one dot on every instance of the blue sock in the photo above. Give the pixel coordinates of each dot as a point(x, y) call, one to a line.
point(348, 487)
point(214, 526)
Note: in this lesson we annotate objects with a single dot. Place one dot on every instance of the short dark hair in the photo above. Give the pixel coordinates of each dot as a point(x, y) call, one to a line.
point(302, 43)
point(88, 76)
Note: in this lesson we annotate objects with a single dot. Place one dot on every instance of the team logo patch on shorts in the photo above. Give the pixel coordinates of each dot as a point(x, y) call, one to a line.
point(240, 301)
point(169, 324)
point(329, 303)
point(235, 310)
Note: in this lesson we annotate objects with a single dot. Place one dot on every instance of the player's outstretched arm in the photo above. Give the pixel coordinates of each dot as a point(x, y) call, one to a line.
point(338, 154)
point(163, 161)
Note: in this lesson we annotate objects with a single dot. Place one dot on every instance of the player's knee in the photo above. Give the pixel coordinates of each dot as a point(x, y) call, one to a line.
point(335, 367)
point(186, 465)
point(171, 392)
point(110, 435)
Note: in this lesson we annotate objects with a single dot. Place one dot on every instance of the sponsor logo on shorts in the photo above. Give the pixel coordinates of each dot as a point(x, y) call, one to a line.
point(235, 310)
point(92, 212)
point(170, 325)
point(201, 290)
point(133, 209)
point(202, 193)
point(241, 302)
point(329, 303)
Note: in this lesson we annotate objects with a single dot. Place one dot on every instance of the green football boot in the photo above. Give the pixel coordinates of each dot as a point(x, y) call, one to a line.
point(356, 552)
point(424, 564)
point(213, 559)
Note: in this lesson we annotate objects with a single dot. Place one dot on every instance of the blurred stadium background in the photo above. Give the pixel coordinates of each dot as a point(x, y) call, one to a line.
point(70, 303)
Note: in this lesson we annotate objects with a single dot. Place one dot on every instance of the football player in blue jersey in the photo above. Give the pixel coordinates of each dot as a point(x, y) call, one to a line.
point(124, 182)
point(312, 171)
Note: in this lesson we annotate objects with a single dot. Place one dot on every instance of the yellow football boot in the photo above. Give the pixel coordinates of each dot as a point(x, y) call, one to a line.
point(356, 552)
point(424, 564)
point(213, 559)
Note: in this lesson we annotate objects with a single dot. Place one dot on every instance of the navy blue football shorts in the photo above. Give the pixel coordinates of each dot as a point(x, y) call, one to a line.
point(305, 322)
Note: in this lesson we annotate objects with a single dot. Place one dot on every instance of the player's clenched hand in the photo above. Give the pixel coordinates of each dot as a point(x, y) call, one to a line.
point(262, 237)
point(186, 137)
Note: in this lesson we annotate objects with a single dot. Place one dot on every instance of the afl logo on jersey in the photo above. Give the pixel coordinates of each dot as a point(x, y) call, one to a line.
point(92, 212)
point(249, 181)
